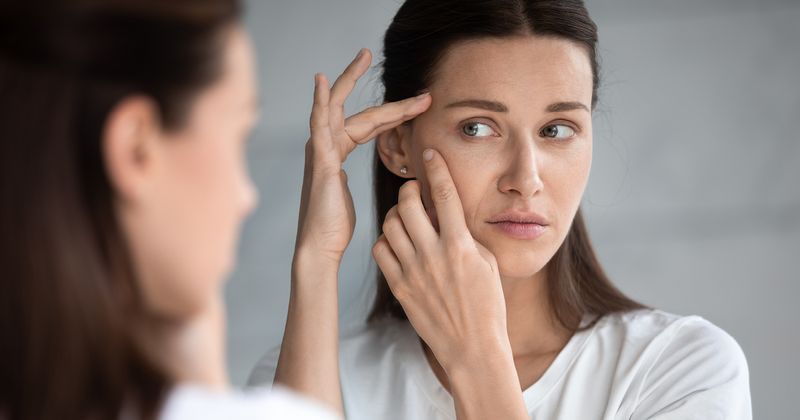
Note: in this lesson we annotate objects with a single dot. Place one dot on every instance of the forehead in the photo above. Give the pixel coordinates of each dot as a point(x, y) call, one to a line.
point(531, 67)
point(238, 62)
point(236, 88)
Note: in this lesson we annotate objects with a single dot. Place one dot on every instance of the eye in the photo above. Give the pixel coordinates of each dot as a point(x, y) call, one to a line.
point(477, 129)
point(557, 131)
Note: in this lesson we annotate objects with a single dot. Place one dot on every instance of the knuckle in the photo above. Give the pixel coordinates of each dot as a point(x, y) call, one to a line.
point(457, 247)
point(401, 294)
point(391, 222)
point(427, 266)
point(444, 192)
point(377, 249)
point(387, 226)
point(406, 207)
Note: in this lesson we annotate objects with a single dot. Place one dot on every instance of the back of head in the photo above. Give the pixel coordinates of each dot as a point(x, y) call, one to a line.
point(69, 303)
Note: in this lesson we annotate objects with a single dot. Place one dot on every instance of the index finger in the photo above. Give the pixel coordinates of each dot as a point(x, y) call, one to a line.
point(444, 195)
point(367, 124)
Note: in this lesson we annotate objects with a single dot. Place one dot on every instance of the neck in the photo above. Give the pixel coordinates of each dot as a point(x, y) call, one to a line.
point(189, 351)
point(532, 327)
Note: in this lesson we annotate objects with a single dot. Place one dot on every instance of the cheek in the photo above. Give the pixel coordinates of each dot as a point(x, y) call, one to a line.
point(198, 224)
point(565, 176)
point(221, 196)
point(467, 164)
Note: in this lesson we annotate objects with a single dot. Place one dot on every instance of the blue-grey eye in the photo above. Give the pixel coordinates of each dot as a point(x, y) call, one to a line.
point(558, 131)
point(477, 129)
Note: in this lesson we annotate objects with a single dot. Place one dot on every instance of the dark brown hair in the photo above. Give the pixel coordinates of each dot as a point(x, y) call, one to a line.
point(417, 39)
point(69, 301)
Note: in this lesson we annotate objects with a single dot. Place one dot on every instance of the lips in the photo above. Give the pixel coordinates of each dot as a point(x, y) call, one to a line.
point(520, 224)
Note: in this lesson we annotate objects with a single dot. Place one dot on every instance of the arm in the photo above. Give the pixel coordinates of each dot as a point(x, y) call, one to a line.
point(449, 286)
point(309, 361)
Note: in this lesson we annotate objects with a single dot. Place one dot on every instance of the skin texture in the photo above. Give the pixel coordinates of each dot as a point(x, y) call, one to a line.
point(475, 294)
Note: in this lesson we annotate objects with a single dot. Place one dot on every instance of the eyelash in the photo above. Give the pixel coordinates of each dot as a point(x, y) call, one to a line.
point(572, 127)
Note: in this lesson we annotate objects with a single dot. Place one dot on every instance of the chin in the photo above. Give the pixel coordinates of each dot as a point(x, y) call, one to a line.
point(519, 259)
point(520, 265)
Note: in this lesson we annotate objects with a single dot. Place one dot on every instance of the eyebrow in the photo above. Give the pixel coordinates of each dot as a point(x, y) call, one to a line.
point(481, 104)
point(566, 106)
point(495, 106)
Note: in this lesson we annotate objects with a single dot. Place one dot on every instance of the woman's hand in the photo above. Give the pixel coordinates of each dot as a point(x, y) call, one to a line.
point(309, 359)
point(449, 286)
point(448, 283)
point(327, 218)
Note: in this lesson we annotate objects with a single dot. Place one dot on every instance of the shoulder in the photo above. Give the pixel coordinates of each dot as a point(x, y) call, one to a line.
point(188, 402)
point(682, 363)
point(691, 336)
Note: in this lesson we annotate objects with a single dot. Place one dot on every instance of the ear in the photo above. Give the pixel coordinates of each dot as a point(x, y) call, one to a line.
point(393, 148)
point(130, 146)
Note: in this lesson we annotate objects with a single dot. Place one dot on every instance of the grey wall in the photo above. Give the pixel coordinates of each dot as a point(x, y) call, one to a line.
point(693, 202)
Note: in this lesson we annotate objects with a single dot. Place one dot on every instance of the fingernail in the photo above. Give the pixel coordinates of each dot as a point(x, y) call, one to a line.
point(360, 53)
point(423, 95)
point(427, 155)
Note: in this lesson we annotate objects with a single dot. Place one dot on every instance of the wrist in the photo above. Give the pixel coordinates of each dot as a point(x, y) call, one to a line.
point(487, 387)
point(487, 354)
point(312, 261)
point(311, 255)
point(313, 274)
point(483, 372)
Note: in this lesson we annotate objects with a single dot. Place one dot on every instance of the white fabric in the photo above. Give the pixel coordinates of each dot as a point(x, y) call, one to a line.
point(188, 402)
point(640, 365)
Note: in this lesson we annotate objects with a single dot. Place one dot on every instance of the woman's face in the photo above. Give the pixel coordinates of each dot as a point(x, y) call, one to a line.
point(185, 227)
point(512, 118)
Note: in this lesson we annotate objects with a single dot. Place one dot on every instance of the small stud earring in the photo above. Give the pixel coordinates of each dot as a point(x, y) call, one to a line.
point(404, 170)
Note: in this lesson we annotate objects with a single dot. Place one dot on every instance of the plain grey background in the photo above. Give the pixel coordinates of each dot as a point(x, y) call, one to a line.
point(693, 202)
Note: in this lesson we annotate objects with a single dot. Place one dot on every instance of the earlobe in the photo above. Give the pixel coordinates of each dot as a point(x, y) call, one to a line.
point(128, 146)
point(392, 153)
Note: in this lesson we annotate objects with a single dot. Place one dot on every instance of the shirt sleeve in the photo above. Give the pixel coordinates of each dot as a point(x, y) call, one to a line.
point(263, 373)
point(700, 374)
point(197, 403)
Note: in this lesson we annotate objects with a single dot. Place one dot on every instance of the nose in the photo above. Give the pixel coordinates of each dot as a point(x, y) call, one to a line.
point(522, 174)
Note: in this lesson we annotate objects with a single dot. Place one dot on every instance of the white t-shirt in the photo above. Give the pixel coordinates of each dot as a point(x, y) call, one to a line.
point(644, 364)
point(187, 402)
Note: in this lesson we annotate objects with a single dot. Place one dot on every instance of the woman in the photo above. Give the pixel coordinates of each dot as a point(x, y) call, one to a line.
point(122, 178)
point(491, 302)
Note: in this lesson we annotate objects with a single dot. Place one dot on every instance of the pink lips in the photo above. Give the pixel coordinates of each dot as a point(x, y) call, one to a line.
point(519, 224)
